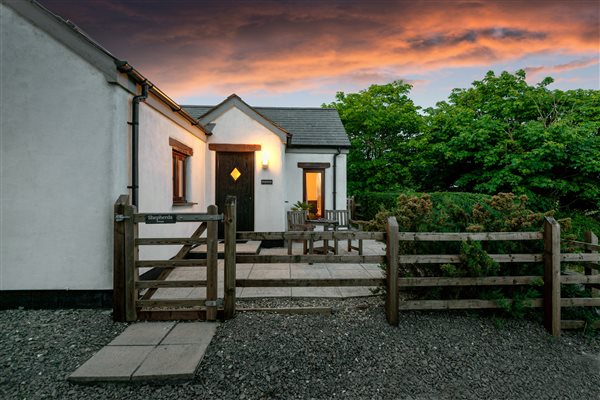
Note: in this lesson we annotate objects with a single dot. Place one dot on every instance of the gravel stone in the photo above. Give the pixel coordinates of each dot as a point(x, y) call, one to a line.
point(351, 354)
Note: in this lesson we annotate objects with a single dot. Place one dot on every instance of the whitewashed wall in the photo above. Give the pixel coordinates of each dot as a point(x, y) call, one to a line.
point(64, 139)
point(235, 127)
point(156, 178)
point(294, 190)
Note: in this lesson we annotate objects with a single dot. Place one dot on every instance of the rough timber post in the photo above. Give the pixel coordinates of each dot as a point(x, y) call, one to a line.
point(211, 265)
point(131, 256)
point(119, 252)
point(552, 276)
point(230, 251)
point(592, 239)
point(391, 301)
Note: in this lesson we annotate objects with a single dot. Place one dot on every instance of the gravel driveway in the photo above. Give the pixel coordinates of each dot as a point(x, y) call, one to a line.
point(351, 354)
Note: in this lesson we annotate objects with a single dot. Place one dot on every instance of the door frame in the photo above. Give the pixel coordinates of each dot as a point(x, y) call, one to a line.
point(323, 191)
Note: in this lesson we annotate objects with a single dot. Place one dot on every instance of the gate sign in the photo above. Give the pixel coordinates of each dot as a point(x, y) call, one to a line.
point(161, 218)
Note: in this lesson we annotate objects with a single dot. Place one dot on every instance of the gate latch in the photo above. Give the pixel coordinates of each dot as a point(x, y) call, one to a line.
point(213, 303)
point(121, 217)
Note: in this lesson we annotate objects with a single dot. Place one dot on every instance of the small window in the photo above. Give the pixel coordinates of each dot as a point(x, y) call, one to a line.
point(181, 153)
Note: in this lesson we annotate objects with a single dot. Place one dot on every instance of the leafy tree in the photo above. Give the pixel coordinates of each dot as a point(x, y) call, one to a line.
point(504, 135)
point(380, 121)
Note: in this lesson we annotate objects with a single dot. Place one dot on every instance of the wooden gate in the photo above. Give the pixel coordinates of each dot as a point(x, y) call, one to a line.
point(132, 297)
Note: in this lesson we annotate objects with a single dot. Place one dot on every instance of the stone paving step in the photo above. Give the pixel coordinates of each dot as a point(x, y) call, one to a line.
point(150, 351)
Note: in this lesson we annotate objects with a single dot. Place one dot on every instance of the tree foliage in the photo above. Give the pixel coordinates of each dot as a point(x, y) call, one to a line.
point(505, 135)
point(380, 122)
point(500, 135)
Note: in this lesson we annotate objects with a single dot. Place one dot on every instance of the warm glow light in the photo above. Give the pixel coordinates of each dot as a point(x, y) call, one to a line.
point(265, 161)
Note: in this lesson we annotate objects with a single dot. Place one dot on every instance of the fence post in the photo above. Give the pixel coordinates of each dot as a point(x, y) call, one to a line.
point(391, 301)
point(230, 252)
point(131, 256)
point(211, 265)
point(589, 270)
point(552, 276)
point(118, 298)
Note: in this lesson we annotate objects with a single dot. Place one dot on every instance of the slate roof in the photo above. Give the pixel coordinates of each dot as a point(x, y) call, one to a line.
point(310, 127)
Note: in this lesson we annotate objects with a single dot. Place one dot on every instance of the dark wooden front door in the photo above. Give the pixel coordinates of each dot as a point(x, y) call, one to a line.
point(235, 177)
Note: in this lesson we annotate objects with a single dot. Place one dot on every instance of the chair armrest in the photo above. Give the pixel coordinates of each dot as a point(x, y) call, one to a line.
point(359, 223)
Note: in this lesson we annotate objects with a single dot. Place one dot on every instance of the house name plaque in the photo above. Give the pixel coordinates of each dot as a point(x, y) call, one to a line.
point(266, 181)
point(161, 219)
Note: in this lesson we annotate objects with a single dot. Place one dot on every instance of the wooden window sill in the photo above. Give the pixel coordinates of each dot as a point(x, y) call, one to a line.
point(184, 204)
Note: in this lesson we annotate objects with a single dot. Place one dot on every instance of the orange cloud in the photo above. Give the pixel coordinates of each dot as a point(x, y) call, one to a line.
point(189, 48)
point(576, 64)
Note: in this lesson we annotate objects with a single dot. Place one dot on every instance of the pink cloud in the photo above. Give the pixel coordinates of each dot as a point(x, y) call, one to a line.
point(277, 47)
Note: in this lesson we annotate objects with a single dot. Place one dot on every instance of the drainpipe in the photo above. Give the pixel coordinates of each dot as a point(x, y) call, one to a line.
point(335, 177)
point(135, 122)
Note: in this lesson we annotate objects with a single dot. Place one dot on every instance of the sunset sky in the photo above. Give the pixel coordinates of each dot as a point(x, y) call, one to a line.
point(300, 53)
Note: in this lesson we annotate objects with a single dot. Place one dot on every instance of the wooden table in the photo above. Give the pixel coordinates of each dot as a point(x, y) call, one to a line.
point(327, 224)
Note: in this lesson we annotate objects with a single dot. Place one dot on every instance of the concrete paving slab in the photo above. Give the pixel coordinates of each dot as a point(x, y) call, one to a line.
point(175, 361)
point(356, 291)
point(191, 333)
point(305, 271)
point(266, 292)
point(270, 267)
point(172, 293)
point(143, 334)
point(267, 273)
point(345, 266)
point(349, 273)
point(112, 363)
point(242, 271)
point(376, 273)
point(329, 292)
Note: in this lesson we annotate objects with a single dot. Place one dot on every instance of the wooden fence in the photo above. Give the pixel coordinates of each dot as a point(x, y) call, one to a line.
point(552, 278)
point(130, 305)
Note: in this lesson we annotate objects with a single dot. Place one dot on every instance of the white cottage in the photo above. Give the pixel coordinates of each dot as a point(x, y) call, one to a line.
point(79, 127)
point(282, 156)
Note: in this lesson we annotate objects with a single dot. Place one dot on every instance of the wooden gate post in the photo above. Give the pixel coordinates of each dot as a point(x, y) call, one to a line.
point(212, 241)
point(552, 276)
point(118, 298)
point(131, 256)
point(391, 301)
point(230, 253)
point(592, 239)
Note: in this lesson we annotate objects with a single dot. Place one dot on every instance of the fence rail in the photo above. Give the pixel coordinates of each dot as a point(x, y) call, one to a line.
point(314, 235)
point(133, 300)
point(465, 236)
point(551, 280)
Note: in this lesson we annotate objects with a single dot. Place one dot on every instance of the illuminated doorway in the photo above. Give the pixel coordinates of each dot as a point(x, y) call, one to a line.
point(314, 191)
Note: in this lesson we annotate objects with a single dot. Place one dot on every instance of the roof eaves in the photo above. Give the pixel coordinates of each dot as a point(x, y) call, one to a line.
point(66, 31)
point(125, 67)
point(234, 97)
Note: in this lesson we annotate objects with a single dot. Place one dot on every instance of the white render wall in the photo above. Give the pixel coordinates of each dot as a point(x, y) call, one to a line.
point(156, 178)
point(63, 140)
point(235, 127)
point(294, 189)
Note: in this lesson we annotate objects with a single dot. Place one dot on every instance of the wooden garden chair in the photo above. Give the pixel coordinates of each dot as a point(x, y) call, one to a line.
point(344, 223)
point(297, 221)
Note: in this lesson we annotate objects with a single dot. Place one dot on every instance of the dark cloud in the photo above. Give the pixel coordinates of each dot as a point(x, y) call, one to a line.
point(189, 46)
point(472, 36)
